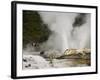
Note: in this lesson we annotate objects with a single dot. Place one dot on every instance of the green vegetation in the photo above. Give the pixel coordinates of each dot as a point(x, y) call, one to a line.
point(33, 28)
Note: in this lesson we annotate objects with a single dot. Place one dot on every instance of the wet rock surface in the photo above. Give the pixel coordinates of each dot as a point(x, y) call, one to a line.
point(70, 58)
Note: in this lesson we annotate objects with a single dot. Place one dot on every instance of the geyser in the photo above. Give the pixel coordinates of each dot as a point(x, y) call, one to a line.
point(65, 35)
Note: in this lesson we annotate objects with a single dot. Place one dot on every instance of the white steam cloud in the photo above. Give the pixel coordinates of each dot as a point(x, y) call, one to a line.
point(64, 35)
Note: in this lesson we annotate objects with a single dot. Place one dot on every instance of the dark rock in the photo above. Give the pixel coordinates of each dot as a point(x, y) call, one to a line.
point(24, 60)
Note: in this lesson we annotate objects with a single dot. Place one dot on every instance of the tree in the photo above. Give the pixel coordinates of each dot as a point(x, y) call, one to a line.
point(34, 30)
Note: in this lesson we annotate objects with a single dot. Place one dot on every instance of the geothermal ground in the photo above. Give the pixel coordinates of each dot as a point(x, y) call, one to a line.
point(70, 58)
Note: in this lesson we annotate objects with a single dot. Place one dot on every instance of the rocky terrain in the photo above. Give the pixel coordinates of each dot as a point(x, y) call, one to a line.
point(52, 59)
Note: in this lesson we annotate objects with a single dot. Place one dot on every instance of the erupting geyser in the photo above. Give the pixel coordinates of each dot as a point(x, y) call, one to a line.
point(70, 30)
